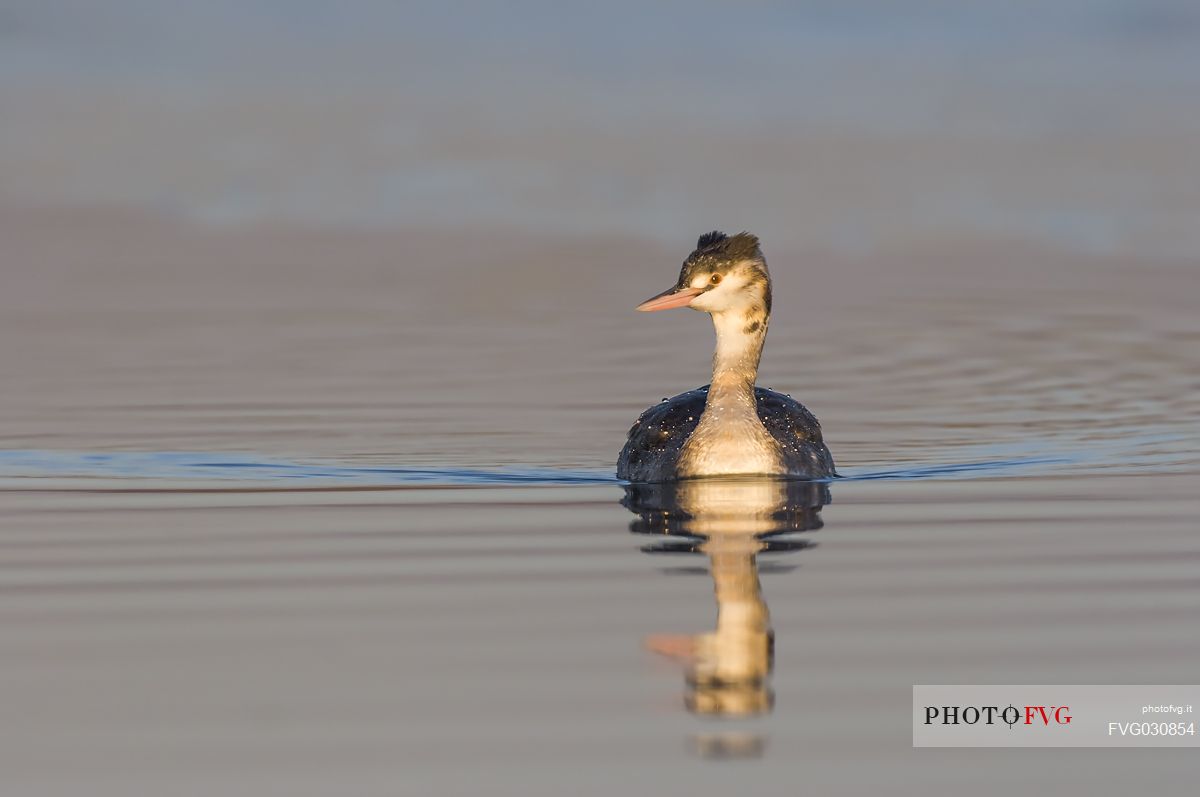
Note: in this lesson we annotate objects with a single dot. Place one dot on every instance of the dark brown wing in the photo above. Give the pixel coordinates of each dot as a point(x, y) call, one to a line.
point(656, 438)
point(798, 433)
point(651, 453)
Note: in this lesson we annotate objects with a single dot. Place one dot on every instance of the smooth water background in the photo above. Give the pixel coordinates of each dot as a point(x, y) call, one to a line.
point(317, 350)
point(270, 525)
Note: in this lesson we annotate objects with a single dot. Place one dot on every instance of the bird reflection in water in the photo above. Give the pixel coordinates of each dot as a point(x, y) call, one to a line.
point(730, 521)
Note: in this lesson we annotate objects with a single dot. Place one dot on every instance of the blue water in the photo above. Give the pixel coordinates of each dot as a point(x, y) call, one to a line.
point(194, 465)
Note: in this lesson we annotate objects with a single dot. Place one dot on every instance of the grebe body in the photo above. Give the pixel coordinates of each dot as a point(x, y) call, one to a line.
point(729, 427)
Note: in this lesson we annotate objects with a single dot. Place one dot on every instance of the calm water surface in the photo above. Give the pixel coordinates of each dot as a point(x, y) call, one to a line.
point(317, 349)
point(359, 538)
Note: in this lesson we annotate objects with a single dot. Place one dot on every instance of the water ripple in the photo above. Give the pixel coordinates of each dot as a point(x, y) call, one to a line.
point(19, 465)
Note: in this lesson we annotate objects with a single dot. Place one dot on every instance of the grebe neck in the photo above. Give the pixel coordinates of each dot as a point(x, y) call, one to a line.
point(730, 438)
point(740, 338)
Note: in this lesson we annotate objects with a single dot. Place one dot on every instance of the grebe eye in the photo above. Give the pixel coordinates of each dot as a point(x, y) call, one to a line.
point(715, 279)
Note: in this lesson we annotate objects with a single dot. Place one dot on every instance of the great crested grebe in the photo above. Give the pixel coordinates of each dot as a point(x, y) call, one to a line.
point(729, 427)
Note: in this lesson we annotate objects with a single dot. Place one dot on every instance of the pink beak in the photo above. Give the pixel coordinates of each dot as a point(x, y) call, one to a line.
point(672, 297)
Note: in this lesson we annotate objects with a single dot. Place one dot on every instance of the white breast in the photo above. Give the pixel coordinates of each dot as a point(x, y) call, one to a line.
point(728, 446)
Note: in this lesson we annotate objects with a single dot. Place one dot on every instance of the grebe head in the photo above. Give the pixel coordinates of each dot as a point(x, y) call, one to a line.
point(725, 274)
